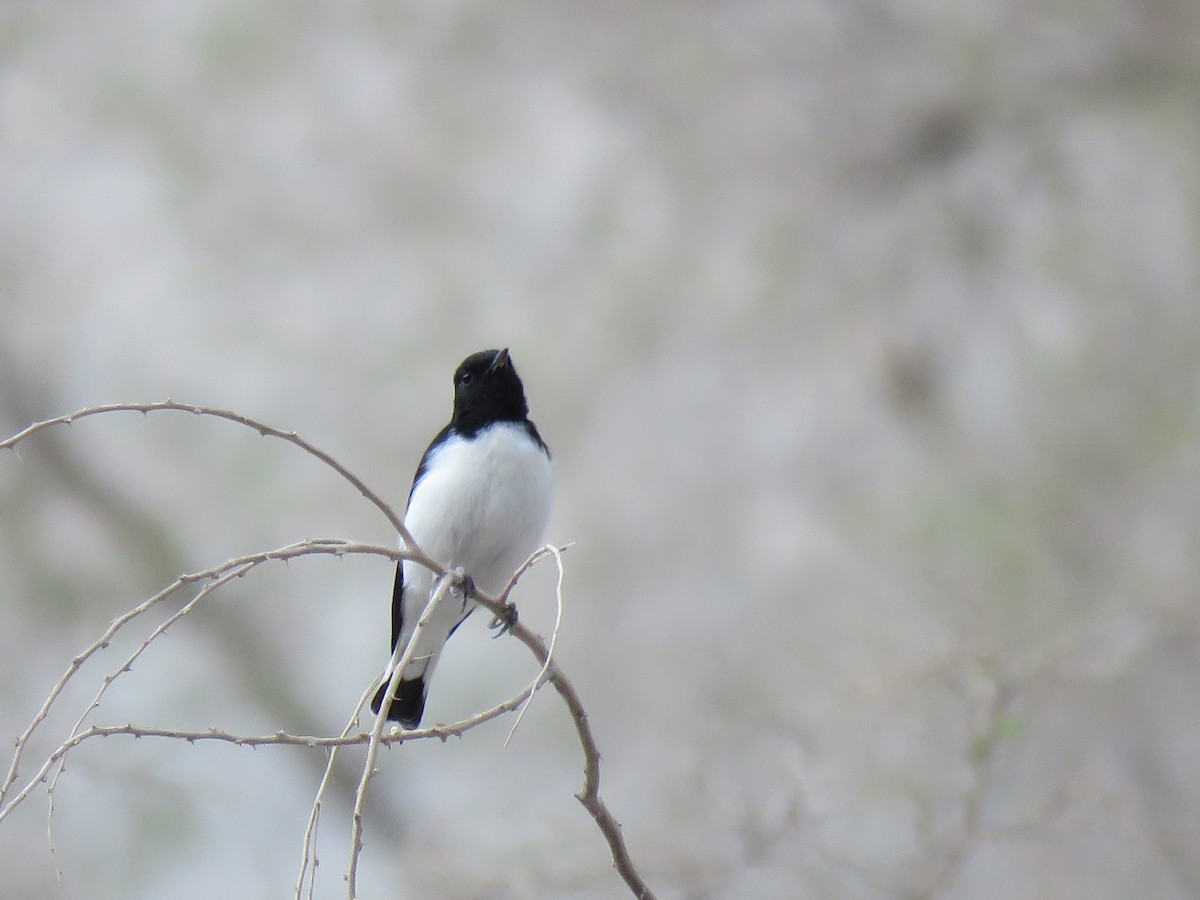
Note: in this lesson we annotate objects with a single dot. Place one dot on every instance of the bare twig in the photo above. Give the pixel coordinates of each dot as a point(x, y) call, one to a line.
point(308, 858)
point(589, 795)
point(261, 427)
point(537, 682)
point(441, 732)
point(402, 655)
point(238, 565)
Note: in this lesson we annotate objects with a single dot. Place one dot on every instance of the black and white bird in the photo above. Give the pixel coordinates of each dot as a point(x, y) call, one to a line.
point(480, 501)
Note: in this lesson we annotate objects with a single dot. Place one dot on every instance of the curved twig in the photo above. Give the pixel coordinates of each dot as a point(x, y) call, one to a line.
point(589, 795)
point(261, 427)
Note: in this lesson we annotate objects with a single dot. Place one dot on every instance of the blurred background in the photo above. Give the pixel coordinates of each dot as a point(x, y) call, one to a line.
point(866, 337)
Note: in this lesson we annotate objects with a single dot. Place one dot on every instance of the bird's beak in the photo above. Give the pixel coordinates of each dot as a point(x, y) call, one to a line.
point(500, 362)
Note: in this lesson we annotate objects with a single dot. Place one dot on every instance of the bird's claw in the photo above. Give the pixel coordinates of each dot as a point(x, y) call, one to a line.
point(461, 583)
point(504, 620)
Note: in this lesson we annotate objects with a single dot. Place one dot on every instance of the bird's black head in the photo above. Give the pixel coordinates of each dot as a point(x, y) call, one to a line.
point(487, 389)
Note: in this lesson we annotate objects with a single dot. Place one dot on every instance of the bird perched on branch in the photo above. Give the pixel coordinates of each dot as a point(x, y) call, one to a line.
point(480, 501)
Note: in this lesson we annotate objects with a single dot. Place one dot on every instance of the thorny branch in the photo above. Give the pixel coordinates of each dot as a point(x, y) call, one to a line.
point(589, 796)
point(401, 656)
point(261, 427)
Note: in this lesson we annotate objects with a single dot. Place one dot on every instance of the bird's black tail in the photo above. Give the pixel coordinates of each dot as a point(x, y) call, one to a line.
point(408, 703)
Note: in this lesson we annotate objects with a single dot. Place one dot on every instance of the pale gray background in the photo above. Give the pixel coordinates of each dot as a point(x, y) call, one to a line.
point(866, 336)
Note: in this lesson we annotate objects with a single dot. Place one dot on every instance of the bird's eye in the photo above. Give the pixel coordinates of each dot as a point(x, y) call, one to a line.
point(465, 378)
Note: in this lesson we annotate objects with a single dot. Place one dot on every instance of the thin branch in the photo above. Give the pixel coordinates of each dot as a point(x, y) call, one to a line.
point(259, 665)
point(127, 665)
point(402, 655)
point(558, 610)
point(336, 547)
point(262, 428)
point(308, 859)
point(309, 855)
point(441, 731)
point(589, 795)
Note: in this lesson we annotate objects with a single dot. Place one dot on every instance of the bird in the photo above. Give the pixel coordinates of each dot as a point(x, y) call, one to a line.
point(480, 502)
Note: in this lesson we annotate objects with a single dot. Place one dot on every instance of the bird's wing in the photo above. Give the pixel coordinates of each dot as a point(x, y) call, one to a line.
point(398, 604)
point(398, 585)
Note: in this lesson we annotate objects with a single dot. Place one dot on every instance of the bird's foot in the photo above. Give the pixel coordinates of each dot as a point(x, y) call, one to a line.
point(461, 584)
point(504, 620)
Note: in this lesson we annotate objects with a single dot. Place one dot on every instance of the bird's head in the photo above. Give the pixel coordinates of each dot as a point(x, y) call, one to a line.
point(487, 389)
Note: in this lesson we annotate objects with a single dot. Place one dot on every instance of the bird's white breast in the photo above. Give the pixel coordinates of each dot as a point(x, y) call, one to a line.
point(482, 504)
